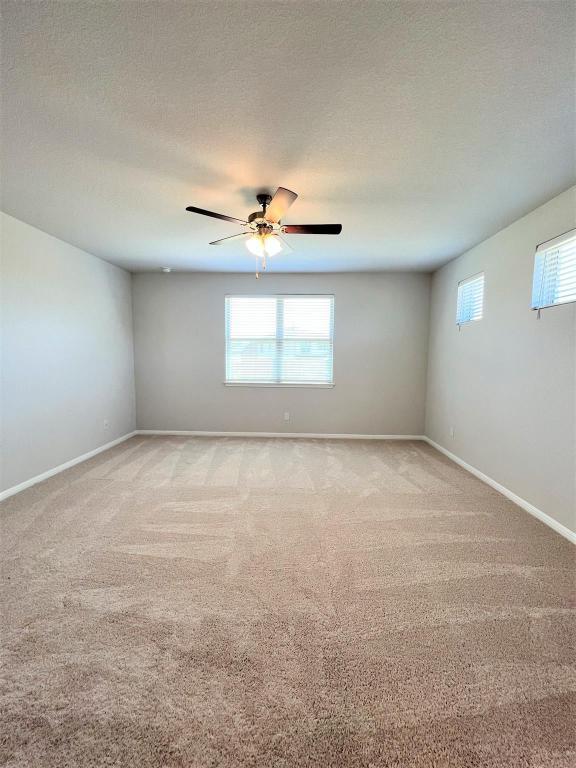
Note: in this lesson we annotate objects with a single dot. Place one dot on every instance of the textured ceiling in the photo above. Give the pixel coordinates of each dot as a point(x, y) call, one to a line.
point(421, 127)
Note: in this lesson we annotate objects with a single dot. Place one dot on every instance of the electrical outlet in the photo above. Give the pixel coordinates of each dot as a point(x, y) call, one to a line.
point(286, 415)
point(452, 432)
point(106, 424)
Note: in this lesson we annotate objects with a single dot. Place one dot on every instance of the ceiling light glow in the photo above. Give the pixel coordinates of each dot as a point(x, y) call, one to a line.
point(256, 246)
point(264, 245)
point(272, 245)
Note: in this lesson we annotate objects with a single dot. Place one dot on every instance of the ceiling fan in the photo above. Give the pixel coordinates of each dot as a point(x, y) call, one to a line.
point(263, 236)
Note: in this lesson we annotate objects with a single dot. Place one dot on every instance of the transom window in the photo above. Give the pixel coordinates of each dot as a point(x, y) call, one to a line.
point(279, 340)
point(555, 272)
point(470, 305)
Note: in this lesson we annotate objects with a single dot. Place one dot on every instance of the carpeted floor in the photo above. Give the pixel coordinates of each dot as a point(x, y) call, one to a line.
point(232, 603)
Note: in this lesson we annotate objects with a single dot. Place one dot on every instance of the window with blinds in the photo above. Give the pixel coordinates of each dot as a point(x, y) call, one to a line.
point(470, 305)
point(279, 340)
point(555, 272)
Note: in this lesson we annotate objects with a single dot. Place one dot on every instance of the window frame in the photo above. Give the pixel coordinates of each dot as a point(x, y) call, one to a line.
point(462, 282)
point(540, 253)
point(278, 384)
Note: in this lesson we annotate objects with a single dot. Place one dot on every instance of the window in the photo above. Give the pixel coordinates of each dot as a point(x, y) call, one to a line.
point(555, 272)
point(279, 340)
point(470, 304)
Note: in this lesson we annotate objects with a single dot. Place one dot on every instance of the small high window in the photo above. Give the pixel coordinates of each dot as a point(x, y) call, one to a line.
point(555, 272)
point(470, 304)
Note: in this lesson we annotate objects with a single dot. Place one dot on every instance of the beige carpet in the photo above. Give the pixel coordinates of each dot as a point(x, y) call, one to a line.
point(229, 603)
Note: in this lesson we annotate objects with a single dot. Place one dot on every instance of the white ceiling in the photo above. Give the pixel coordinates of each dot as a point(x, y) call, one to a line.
point(421, 127)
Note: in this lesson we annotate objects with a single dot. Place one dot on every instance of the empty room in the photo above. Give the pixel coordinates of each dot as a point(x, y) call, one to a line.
point(288, 384)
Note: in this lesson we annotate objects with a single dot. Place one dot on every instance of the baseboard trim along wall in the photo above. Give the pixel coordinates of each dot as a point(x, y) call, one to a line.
point(525, 505)
point(305, 435)
point(61, 467)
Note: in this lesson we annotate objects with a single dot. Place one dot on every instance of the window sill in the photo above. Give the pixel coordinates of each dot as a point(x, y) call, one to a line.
point(279, 386)
point(556, 304)
point(468, 322)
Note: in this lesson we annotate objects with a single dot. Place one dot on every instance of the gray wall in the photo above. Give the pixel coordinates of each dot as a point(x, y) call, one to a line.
point(507, 384)
point(381, 336)
point(67, 352)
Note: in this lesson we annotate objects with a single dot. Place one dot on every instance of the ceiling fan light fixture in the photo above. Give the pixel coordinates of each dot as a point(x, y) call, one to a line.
point(256, 246)
point(272, 245)
point(263, 245)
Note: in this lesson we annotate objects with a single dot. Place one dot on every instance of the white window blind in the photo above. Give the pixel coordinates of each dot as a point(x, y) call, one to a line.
point(279, 340)
point(470, 305)
point(555, 272)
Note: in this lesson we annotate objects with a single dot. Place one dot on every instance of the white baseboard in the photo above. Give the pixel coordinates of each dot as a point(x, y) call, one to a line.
point(306, 435)
point(530, 508)
point(61, 467)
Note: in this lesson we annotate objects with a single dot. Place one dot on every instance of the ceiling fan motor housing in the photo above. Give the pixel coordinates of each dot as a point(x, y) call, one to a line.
point(259, 223)
point(258, 217)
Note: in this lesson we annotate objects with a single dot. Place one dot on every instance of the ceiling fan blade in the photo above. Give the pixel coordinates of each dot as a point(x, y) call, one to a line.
point(312, 229)
point(225, 240)
point(192, 209)
point(279, 204)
